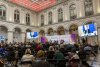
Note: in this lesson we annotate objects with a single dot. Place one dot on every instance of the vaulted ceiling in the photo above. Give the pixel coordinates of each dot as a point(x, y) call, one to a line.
point(35, 5)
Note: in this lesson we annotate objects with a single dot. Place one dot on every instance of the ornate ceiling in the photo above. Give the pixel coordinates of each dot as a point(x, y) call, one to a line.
point(35, 5)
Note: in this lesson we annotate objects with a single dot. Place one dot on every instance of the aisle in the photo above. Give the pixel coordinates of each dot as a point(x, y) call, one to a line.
point(96, 61)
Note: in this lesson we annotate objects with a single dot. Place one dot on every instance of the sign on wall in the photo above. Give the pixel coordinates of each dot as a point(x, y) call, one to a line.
point(32, 35)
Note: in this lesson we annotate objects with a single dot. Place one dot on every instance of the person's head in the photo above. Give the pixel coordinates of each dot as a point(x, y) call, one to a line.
point(61, 46)
point(56, 48)
point(40, 54)
point(73, 50)
point(28, 51)
point(51, 48)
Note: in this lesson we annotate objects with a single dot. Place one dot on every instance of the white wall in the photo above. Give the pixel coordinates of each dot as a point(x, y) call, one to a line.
point(10, 13)
point(65, 6)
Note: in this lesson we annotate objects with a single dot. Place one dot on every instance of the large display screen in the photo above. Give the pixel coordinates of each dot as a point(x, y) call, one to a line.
point(32, 35)
point(88, 30)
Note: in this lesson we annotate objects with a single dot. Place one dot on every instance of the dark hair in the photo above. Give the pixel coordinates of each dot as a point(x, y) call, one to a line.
point(27, 52)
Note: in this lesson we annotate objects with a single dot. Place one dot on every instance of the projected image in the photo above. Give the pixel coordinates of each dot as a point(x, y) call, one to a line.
point(87, 30)
point(32, 35)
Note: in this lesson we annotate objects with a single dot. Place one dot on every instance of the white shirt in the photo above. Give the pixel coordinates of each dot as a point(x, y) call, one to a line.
point(27, 57)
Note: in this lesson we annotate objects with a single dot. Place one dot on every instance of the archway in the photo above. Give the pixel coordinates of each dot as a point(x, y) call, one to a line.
point(3, 33)
point(28, 30)
point(17, 35)
point(61, 30)
point(73, 31)
point(50, 32)
point(42, 32)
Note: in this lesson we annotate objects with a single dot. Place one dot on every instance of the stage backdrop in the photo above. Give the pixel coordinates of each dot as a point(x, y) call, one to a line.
point(67, 38)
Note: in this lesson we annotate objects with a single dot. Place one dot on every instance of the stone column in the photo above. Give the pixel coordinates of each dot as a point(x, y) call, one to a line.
point(95, 6)
point(99, 36)
point(46, 33)
point(10, 36)
point(67, 13)
point(55, 32)
point(80, 8)
point(98, 5)
point(55, 15)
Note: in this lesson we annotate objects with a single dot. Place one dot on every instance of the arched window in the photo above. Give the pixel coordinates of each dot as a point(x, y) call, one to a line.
point(73, 29)
point(42, 32)
point(16, 16)
point(27, 19)
point(42, 20)
point(60, 15)
point(50, 18)
point(61, 30)
point(88, 7)
point(50, 32)
point(2, 12)
point(73, 13)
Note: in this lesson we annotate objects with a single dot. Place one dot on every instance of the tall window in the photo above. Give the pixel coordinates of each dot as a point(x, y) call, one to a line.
point(88, 7)
point(2, 12)
point(16, 16)
point(73, 13)
point(50, 17)
point(60, 15)
point(27, 19)
point(42, 20)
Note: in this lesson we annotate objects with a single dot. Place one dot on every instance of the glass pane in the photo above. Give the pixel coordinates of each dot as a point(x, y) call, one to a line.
point(17, 17)
point(28, 19)
point(4, 13)
point(14, 16)
point(0, 12)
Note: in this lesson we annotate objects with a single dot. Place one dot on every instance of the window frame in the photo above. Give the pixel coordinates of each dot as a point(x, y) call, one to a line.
point(27, 19)
point(60, 15)
point(88, 7)
point(73, 11)
point(3, 12)
point(16, 16)
point(50, 17)
point(42, 20)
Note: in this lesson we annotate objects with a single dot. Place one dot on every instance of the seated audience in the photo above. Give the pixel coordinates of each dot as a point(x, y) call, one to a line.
point(27, 58)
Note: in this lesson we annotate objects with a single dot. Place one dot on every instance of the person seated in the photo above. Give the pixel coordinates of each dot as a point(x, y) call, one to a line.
point(83, 58)
point(27, 58)
point(59, 57)
point(62, 49)
point(1, 63)
point(40, 55)
point(74, 59)
point(50, 53)
point(40, 60)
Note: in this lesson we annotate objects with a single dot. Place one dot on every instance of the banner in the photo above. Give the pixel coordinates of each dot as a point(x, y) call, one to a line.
point(66, 38)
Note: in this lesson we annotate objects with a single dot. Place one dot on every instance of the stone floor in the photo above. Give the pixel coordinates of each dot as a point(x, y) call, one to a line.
point(96, 61)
